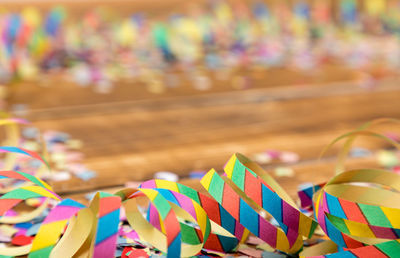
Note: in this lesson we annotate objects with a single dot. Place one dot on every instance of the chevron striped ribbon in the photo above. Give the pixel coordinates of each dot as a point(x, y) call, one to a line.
point(26, 191)
point(20, 151)
point(267, 194)
point(246, 195)
point(360, 210)
point(13, 198)
point(52, 228)
point(179, 237)
point(107, 225)
point(39, 189)
point(248, 216)
point(216, 213)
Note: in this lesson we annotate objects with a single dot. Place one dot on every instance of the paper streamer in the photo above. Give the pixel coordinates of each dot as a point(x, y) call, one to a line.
point(13, 198)
point(359, 210)
point(12, 140)
point(223, 242)
point(180, 239)
point(245, 190)
point(360, 217)
point(52, 227)
point(107, 225)
point(17, 150)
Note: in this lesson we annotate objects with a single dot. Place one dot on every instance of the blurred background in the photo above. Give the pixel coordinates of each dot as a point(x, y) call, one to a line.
point(120, 91)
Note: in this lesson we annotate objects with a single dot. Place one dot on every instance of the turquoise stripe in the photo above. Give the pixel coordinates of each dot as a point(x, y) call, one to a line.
point(107, 226)
point(334, 206)
point(334, 234)
point(227, 221)
point(248, 218)
point(174, 250)
point(168, 195)
point(72, 203)
point(342, 254)
point(272, 203)
point(228, 243)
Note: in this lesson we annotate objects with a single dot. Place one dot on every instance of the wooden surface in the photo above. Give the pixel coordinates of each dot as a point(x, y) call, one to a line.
point(130, 137)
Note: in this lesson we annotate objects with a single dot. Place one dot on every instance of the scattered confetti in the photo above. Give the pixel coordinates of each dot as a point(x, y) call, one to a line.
point(284, 171)
point(166, 176)
point(387, 159)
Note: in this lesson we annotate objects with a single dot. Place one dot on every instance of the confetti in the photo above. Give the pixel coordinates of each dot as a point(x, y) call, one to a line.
point(387, 158)
point(166, 176)
point(284, 171)
point(101, 48)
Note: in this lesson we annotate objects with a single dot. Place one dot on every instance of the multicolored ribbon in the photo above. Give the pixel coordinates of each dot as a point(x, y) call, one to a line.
point(246, 194)
point(360, 210)
point(12, 140)
point(178, 193)
point(52, 228)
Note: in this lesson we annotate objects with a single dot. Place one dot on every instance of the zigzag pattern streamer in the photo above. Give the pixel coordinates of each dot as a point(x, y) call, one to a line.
point(189, 198)
point(52, 227)
point(362, 220)
point(359, 217)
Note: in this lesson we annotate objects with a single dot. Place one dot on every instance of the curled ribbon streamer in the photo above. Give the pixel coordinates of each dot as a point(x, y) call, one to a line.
point(181, 240)
point(359, 210)
point(13, 198)
point(361, 218)
point(225, 240)
point(265, 192)
point(245, 194)
point(32, 154)
point(52, 227)
point(306, 194)
point(12, 139)
point(351, 137)
point(93, 232)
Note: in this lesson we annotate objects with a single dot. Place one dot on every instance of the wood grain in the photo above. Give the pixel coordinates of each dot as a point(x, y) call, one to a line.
point(131, 140)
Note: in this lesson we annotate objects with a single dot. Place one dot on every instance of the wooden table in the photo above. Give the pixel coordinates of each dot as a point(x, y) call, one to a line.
point(131, 139)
